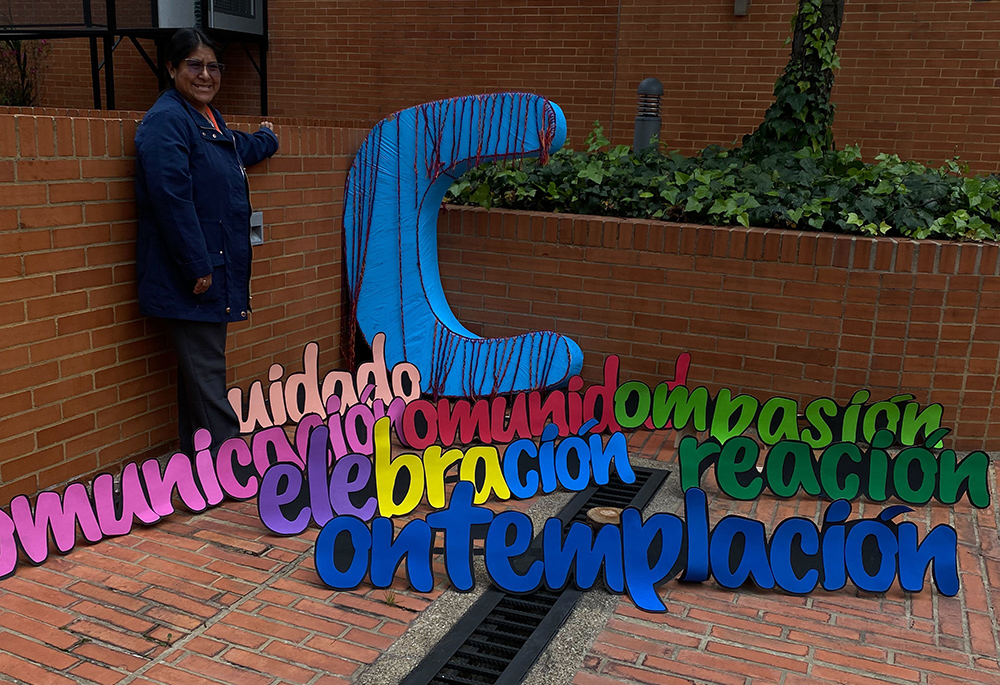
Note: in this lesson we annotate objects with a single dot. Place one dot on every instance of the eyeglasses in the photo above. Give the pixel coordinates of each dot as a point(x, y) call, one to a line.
point(195, 67)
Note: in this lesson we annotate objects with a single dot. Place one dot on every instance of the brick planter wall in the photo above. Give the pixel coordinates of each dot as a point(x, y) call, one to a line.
point(764, 312)
point(85, 381)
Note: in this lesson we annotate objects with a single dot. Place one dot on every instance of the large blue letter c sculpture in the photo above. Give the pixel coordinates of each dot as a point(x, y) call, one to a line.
point(391, 205)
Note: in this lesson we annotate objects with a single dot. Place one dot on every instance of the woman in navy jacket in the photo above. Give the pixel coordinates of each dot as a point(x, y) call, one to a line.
point(193, 243)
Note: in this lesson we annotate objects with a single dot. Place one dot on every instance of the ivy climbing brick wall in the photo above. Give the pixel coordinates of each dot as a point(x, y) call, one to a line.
point(918, 78)
point(85, 381)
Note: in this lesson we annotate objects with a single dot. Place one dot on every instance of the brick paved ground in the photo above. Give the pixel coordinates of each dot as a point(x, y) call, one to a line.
point(213, 599)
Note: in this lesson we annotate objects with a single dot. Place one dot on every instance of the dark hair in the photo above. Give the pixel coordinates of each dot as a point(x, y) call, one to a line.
point(186, 41)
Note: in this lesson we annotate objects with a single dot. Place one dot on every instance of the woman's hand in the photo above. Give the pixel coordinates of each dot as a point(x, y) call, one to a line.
point(268, 125)
point(202, 284)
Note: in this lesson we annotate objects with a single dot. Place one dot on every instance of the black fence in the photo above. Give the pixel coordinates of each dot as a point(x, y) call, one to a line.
point(105, 24)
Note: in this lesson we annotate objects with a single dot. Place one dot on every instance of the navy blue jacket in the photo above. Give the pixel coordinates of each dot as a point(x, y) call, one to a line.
point(194, 211)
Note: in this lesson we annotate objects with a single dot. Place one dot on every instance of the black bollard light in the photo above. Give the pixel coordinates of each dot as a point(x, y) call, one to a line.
point(647, 120)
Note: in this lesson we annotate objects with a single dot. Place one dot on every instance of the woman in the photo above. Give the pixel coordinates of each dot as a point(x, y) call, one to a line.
point(193, 244)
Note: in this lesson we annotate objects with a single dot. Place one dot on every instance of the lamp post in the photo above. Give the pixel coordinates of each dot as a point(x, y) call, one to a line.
point(647, 120)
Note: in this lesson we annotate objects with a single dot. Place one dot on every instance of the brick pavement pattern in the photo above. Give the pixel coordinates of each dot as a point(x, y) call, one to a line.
point(213, 598)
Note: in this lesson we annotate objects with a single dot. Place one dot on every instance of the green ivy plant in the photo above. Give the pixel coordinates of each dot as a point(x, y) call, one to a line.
point(807, 189)
point(802, 113)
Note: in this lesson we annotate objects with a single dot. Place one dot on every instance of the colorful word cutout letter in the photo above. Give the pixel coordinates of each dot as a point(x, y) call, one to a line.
point(391, 204)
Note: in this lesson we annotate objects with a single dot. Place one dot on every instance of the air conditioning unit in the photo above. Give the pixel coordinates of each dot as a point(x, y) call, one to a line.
point(241, 16)
point(170, 14)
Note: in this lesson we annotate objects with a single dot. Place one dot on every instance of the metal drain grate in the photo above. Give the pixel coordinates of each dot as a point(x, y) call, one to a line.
point(495, 643)
point(618, 495)
point(502, 635)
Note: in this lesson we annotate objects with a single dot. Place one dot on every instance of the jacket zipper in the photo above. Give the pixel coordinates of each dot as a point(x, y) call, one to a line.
point(246, 186)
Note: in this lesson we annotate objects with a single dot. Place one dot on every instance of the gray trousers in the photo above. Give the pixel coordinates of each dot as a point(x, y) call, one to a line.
point(201, 381)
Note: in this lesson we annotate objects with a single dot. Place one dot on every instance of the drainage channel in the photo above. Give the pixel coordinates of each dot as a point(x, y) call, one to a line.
point(502, 635)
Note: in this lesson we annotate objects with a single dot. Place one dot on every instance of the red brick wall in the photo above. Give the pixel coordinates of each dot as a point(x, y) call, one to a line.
point(764, 312)
point(918, 78)
point(51, 12)
point(85, 381)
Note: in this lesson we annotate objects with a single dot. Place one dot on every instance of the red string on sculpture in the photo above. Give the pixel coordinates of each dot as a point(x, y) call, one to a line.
point(399, 241)
point(441, 153)
point(362, 206)
point(547, 135)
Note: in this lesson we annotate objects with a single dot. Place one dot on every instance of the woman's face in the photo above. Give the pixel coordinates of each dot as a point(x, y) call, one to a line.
point(197, 86)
